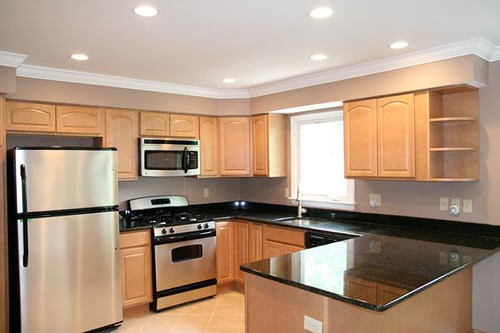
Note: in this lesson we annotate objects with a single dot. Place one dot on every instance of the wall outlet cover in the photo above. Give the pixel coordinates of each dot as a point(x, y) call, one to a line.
point(313, 325)
point(443, 204)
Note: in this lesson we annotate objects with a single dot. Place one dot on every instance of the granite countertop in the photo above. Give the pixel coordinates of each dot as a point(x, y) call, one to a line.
point(392, 251)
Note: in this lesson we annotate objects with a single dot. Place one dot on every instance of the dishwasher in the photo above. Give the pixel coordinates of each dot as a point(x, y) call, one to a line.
point(318, 238)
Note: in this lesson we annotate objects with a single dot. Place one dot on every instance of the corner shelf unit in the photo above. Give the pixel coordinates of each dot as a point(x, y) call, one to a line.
point(453, 134)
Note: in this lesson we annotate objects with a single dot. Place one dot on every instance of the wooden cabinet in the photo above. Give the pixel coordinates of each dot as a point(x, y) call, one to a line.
point(269, 145)
point(370, 291)
point(279, 241)
point(254, 242)
point(61, 119)
point(234, 146)
point(224, 252)
point(30, 117)
point(155, 124)
point(379, 137)
point(122, 132)
point(79, 120)
point(424, 136)
point(2, 128)
point(209, 147)
point(182, 125)
point(240, 249)
point(135, 254)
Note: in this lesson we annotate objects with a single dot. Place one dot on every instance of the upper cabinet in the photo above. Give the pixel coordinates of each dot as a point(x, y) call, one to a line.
point(47, 118)
point(2, 130)
point(185, 126)
point(234, 146)
point(269, 145)
point(209, 147)
point(423, 136)
point(122, 131)
point(155, 124)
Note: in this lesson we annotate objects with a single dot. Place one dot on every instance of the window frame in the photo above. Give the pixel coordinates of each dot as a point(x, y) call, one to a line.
point(295, 122)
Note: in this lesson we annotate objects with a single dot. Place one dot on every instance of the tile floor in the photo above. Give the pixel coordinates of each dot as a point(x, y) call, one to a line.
point(224, 313)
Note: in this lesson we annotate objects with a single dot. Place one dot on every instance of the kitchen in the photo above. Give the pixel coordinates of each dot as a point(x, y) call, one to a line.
point(398, 198)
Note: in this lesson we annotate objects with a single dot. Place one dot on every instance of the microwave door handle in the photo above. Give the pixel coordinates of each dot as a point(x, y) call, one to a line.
point(185, 158)
point(24, 215)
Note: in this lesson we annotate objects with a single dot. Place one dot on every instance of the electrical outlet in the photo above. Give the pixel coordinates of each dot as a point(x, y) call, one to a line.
point(443, 258)
point(443, 204)
point(313, 325)
point(286, 193)
point(455, 202)
point(467, 206)
point(375, 200)
point(206, 193)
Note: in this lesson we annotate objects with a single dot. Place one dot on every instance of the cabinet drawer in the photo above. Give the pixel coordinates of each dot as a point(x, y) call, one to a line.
point(284, 235)
point(134, 238)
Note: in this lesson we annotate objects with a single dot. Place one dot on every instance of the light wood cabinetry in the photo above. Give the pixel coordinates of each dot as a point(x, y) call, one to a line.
point(135, 254)
point(370, 291)
point(209, 147)
point(234, 146)
point(155, 124)
point(278, 241)
point(269, 145)
point(379, 137)
point(182, 125)
point(424, 136)
point(240, 249)
point(254, 242)
point(60, 119)
point(224, 252)
point(2, 116)
point(30, 117)
point(122, 132)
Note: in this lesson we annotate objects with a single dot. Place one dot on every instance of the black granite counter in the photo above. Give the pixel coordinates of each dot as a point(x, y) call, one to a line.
point(406, 253)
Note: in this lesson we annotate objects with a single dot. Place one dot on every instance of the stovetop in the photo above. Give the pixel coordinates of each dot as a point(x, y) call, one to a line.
point(165, 220)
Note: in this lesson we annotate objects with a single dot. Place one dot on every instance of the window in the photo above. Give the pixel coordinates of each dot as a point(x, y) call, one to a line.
point(317, 157)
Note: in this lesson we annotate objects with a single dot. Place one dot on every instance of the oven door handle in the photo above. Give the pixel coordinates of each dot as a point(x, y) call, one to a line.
point(184, 237)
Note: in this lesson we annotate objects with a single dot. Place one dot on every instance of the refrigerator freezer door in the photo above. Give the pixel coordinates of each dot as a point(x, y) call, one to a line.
point(66, 179)
point(73, 280)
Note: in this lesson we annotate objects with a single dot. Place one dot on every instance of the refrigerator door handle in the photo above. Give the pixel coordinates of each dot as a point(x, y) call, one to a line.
point(24, 215)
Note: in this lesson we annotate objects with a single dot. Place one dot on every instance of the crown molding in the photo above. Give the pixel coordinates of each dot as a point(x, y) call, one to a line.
point(479, 47)
point(10, 59)
point(55, 74)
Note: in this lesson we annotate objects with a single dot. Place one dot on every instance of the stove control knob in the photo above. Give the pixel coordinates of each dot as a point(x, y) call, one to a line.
point(171, 230)
point(199, 226)
point(164, 231)
point(205, 226)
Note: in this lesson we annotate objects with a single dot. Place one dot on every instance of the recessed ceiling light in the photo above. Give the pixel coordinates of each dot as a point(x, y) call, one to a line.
point(229, 80)
point(321, 13)
point(398, 45)
point(318, 57)
point(79, 56)
point(146, 11)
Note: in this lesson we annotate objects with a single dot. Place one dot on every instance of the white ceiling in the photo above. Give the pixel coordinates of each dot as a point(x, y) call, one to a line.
point(260, 43)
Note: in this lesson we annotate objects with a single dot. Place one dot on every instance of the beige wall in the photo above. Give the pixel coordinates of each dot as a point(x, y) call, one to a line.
point(7, 80)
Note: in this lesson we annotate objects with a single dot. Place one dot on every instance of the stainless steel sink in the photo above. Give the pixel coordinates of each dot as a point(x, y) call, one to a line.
point(300, 221)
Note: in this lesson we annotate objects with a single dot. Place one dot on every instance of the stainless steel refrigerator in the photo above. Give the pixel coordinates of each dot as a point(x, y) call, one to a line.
point(64, 260)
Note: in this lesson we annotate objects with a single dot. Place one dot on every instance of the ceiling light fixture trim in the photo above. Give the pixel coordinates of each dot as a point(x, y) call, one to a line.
point(79, 57)
point(318, 57)
point(146, 11)
point(321, 13)
point(399, 45)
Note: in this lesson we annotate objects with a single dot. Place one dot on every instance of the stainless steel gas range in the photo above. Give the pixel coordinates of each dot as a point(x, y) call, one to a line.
point(183, 250)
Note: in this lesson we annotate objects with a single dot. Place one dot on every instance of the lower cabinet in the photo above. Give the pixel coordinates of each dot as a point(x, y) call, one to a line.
point(370, 291)
point(135, 255)
point(224, 252)
point(278, 241)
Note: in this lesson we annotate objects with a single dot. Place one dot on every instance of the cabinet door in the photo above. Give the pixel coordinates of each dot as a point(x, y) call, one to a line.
point(396, 136)
point(185, 126)
point(224, 252)
point(30, 117)
point(360, 289)
point(260, 145)
point(155, 124)
point(271, 249)
point(241, 249)
point(291, 248)
point(122, 129)
point(79, 120)
point(2, 128)
point(360, 138)
point(235, 146)
point(254, 242)
point(136, 276)
point(209, 146)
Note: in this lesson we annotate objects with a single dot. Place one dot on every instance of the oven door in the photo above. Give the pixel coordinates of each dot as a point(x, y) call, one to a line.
point(184, 262)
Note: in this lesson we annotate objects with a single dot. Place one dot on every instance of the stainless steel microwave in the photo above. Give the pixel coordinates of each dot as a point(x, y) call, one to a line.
point(166, 157)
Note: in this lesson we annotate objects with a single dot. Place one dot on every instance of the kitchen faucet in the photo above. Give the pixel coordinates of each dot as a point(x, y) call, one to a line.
point(300, 210)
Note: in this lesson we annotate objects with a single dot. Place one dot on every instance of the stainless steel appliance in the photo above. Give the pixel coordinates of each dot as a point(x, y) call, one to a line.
point(183, 249)
point(63, 240)
point(318, 238)
point(169, 157)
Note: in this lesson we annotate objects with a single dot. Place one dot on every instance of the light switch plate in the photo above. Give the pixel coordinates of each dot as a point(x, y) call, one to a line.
point(443, 204)
point(467, 206)
point(375, 200)
point(206, 193)
point(455, 202)
point(313, 325)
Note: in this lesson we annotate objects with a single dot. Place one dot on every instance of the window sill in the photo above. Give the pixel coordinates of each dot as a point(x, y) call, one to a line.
point(325, 204)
